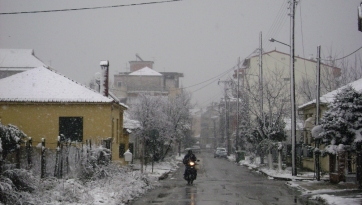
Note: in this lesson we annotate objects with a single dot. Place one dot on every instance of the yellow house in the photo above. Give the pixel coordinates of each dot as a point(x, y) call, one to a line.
point(308, 112)
point(45, 104)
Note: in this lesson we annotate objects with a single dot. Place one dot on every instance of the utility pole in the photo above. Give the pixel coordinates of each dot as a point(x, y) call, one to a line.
point(292, 88)
point(318, 111)
point(226, 82)
point(261, 77)
point(261, 87)
point(318, 84)
point(237, 110)
point(359, 18)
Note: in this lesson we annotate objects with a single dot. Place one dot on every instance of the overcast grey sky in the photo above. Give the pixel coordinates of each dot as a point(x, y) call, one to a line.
point(200, 38)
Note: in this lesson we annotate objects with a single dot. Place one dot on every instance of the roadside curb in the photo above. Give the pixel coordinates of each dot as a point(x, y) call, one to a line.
point(286, 178)
point(278, 177)
point(164, 176)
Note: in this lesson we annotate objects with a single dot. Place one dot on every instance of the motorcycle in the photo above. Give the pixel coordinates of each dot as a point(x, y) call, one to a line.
point(191, 172)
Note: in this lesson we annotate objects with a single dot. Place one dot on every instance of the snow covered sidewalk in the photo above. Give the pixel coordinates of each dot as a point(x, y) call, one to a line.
point(315, 192)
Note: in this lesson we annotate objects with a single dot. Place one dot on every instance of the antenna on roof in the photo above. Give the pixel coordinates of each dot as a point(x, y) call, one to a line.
point(137, 56)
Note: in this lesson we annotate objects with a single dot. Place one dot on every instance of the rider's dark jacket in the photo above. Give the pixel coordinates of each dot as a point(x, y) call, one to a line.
point(188, 157)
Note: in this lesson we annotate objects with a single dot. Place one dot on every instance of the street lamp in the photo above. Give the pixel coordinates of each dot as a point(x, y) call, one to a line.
point(273, 40)
point(292, 93)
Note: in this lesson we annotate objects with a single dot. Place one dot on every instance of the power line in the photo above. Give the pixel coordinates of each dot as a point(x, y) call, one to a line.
point(211, 99)
point(344, 56)
point(87, 8)
point(277, 24)
point(301, 30)
point(220, 75)
point(208, 83)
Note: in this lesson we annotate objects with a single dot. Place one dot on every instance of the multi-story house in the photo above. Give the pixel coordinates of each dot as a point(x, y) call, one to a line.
point(210, 122)
point(142, 78)
point(14, 61)
point(276, 63)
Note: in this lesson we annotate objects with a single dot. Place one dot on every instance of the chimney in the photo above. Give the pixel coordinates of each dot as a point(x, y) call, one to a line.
point(104, 78)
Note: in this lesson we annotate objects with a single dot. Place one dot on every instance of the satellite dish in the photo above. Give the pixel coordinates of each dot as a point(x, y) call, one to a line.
point(97, 76)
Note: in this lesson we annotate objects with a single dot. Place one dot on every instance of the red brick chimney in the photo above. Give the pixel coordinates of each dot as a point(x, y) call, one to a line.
point(104, 78)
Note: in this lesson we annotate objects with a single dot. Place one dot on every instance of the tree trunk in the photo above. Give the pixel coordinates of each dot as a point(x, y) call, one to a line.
point(270, 160)
point(168, 148)
point(280, 160)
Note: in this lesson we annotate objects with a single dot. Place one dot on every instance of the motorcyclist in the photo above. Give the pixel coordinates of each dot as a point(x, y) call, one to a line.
point(189, 156)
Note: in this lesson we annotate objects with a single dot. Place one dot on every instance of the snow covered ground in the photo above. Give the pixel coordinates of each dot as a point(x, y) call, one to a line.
point(124, 184)
point(312, 189)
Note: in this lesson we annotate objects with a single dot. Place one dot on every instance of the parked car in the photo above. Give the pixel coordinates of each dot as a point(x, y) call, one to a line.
point(220, 152)
point(195, 149)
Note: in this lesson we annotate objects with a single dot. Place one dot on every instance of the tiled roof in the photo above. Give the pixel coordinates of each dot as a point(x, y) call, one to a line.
point(329, 97)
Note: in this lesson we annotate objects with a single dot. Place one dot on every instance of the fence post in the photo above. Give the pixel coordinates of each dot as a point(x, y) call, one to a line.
point(56, 168)
point(81, 154)
point(17, 165)
point(109, 146)
point(1, 160)
point(29, 148)
point(86, 147)
point(43, 163)
point(67, 157)
point(61, 161)
point(359, 164)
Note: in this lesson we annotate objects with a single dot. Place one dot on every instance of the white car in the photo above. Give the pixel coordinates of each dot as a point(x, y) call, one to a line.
point(195, 149)
point(220, 152)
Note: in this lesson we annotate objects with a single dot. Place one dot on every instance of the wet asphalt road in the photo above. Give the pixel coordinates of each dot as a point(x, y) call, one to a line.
point(220, 182)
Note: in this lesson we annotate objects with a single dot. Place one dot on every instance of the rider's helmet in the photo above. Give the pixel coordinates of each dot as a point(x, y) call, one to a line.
point(189, 152)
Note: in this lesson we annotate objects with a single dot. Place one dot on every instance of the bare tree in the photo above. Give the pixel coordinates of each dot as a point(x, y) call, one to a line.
point(178, 116)
point(148, 111)
point(335, 72)
point(163, 120)
point(267, 118)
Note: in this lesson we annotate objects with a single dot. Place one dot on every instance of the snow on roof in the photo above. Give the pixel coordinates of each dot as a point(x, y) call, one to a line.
point(146, 71)
point(329, 97)
point(44, 85)
point(288, 124)
point(115, 98)
point(19, 58)
point(128, 123)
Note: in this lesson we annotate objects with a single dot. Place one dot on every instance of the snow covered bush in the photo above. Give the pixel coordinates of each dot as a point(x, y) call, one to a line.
point(11, 137)
point(16, 186)
point(120, 185)
point(94, 163)
point(342, 122)
point(22, 179)
point(13, 181)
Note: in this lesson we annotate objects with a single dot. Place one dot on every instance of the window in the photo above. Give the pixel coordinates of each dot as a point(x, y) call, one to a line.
point(119, 84)
point(130, 147)
point(122, 150)
point(71, 128)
